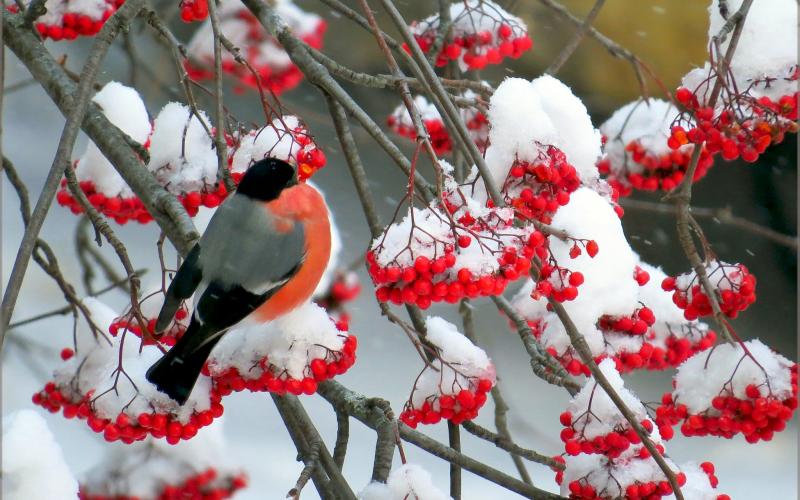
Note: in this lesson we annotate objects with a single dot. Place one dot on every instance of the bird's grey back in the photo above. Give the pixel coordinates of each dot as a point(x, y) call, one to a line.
point(241, 246)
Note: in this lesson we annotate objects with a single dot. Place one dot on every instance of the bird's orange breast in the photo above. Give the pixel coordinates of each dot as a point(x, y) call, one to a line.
point(301, 204)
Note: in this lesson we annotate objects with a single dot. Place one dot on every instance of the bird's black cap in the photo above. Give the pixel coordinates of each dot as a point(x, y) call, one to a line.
point(266, 178)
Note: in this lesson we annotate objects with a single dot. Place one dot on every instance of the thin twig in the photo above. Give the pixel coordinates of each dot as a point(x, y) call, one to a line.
point(577, 37)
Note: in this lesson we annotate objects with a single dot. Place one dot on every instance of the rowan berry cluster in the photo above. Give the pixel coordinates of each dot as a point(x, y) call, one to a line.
point(752, 392)
point(271, 378)
point(435, 279)
point(636, 152)
point(272, 68)
point(125, 427)
point(457, 406)
point(129, 323)
point(193, 10)
point(477, 124)
point(120, 208)
point(286, 138)
point(733, 284)
point(482, 34)
point(536, 190)
point(67, 20)
point(741, 126)
point(344, 288)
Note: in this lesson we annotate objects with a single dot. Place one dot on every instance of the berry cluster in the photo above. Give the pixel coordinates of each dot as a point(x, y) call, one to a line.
point(636, 152)
point(193, 10)
point(757, 416)
point(557, 282)
point(742, 126)
point(456, 407)
point(286, 138)
point(482, 33)
point(344, 288)
point(637, 323)
point(67, 20)
point(582, 489)
point(434, 279)
point(273, 70)
point(612, 444)
point(743, 388)
point(128, 323)
point(121, 209)
point(652, 172)
point(735, 288)
point(477, 124)
point(205, 485)
point(270, 378)
point(126, 428)
point(537, 189)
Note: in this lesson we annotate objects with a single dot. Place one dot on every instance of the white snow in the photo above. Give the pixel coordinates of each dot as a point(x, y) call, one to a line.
point(704, 376)
point(93, 368)
point(526, 116)
point(276, 140)
point(33, 464)
point(290, 343)
point(142, 469)
point(408, 482)
point(123, 106)
point(611, 476)
point(182, 154)
point(458, 363)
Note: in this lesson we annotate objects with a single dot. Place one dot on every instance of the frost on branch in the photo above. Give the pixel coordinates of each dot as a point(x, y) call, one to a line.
point(69, 19)
point(33, 465)
point(285, 138)
point(735, 388)
point(408, 482)
point(733, 285)
point(637, 155)
point(477, 125)
point(273, 68)
point(197, 469)
point(103, 186)
point(463, 249)
point(758, 101)
point(482, 34)
point(104, 383)
point(288, 355)
point(455, 384)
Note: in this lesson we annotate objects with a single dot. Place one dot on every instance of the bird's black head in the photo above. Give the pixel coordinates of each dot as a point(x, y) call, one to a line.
point(266, 178)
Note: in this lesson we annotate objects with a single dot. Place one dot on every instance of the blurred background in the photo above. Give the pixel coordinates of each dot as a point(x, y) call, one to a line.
point(668, 35)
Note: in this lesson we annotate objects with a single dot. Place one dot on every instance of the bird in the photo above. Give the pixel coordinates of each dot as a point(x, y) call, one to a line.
point(262, 255)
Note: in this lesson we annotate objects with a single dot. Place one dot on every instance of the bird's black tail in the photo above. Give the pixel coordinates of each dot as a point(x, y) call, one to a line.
point(177, 371)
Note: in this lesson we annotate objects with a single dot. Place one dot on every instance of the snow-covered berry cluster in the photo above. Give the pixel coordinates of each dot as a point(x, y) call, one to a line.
point(292, 354)
point(478, 127)
point(757, 94)
point(103, 382)
point(733, 284)
point(69, 19)
point(407, 482)
point(455, 385)
point(285, 138)
point(182, 156)
point(198, 469)
point(482, 33)
point(605, 457)
point(193, 10)
point(743, 388)
point(462, 250)
point(273, 69)
point(637, 153)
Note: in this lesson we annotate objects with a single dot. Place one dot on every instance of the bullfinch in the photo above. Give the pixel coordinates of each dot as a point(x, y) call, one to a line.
point(262, 255)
